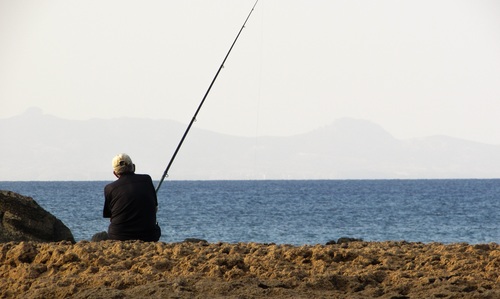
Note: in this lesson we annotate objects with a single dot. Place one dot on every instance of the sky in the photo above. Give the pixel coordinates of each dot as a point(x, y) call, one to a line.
point(417, 68)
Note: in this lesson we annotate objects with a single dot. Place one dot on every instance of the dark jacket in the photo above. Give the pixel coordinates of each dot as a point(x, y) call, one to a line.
point(131, 204)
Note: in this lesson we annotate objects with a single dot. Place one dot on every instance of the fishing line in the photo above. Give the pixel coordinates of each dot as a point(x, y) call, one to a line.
point(256, 168)
point(165, 173)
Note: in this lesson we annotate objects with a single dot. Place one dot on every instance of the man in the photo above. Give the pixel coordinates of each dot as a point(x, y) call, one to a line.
point(131, 203)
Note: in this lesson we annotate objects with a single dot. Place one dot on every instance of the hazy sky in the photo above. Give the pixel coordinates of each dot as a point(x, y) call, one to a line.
point(417, 68)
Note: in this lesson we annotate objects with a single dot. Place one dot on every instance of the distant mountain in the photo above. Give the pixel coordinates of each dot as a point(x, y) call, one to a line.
point(36, 146)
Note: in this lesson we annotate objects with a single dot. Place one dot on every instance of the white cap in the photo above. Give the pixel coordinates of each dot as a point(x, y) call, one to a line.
point(122, 163)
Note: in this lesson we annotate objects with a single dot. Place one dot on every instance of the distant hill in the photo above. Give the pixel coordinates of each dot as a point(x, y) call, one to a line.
point(36, 146)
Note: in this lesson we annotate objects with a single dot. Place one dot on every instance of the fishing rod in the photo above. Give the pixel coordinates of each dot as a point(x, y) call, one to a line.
point(165, 173)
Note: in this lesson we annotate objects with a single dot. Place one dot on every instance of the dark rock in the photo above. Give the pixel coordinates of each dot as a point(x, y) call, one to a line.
point(22, 219)
point(102, 236)
point(343, 240)
point(348, 240)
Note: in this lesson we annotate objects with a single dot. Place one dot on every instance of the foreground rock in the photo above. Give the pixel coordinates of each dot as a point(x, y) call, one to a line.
point(114, 269)
point(22, 219)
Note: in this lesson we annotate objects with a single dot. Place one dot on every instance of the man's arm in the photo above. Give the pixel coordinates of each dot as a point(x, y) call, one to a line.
point(106, 212)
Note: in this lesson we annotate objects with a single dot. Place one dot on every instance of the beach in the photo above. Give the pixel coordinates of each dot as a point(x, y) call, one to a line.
point(135, 269)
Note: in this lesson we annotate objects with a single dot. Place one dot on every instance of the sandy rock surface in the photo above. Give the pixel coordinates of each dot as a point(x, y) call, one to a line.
point(114, 269)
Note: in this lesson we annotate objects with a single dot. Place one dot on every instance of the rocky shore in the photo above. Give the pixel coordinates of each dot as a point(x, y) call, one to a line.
point(114, 269)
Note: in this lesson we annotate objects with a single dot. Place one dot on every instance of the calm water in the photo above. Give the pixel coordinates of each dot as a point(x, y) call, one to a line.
point(294, 212)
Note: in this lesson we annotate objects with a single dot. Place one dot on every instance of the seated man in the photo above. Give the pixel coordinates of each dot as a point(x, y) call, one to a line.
point(131, 203)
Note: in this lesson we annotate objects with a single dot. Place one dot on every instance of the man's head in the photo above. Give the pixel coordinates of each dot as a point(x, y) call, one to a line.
point(122, 164)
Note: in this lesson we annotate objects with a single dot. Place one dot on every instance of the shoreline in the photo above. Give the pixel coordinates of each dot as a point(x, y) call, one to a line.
point(131, 269)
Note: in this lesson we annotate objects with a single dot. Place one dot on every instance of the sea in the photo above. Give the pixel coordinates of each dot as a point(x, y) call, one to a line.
point(296, 212)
